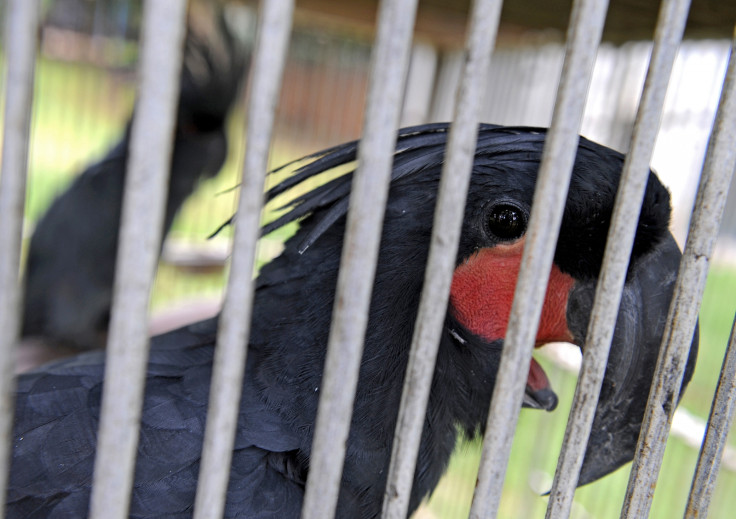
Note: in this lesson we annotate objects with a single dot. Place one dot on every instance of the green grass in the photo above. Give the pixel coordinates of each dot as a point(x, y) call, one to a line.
point(70, 129)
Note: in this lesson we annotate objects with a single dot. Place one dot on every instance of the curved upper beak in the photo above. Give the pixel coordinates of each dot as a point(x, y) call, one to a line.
point(634, 350)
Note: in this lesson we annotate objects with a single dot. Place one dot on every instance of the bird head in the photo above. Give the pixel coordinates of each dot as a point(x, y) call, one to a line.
point(492, 241)
point(215, 61)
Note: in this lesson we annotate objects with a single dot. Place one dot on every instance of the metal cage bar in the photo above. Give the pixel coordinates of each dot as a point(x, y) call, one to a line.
point(616, 259)
point(724, 402)
point(21, 28)
point(234, 327)
point(360, 251)
point(719, 423)
point(448, 218)
point(140, 238)
point(705, 221)
point(586, 26)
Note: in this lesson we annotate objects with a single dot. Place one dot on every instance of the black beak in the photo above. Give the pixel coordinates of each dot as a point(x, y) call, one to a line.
point(634, 351)
point(545, 399)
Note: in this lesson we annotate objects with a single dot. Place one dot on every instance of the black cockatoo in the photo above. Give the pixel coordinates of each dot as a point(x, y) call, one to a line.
point(57, 407)
point(71, 259)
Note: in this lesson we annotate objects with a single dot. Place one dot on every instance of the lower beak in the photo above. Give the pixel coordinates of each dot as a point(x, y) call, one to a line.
point(543, 399)
point(538, 393)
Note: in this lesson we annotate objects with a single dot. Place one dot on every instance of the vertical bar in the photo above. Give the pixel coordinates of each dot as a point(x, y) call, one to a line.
point(616, 259)
point(21, 29)
point(716, 434)
point(706, 218)
point(140, 239)
point(359, 255)
point(274, 28)
point(584, 34)
point(448, 220)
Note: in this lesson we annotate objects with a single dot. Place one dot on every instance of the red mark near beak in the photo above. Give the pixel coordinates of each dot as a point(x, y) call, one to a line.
point(483, 289)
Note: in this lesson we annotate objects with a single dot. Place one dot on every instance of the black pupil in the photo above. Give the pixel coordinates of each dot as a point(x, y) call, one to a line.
point(506, 222)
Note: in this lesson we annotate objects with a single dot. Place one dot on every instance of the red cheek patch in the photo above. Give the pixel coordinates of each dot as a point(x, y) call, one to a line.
point(482, 291)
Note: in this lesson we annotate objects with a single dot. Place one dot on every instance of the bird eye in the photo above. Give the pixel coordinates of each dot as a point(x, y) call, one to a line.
point(506, 221)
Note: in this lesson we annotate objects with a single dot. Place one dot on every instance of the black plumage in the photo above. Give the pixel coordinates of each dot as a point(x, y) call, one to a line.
point(58, 406)
point(71, 259)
